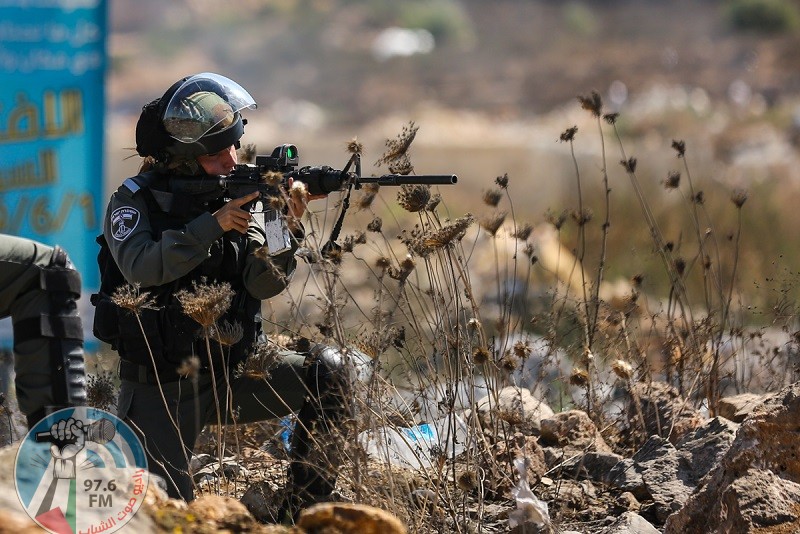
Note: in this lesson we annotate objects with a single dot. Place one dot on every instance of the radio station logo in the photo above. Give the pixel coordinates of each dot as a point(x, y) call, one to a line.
point(81, 471)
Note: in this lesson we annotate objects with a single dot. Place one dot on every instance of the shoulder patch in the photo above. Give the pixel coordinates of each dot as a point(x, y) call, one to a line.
point(123, 222)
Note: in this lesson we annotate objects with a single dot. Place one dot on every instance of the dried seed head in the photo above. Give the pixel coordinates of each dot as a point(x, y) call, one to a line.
point(434, 202)
point(473, 325)
point(227, 333)
point(680, 266)
point(481, 355)
point(101, 392)
point(622, 369)
point(629, 164)
point(383, 263)
point(531, 253)
point(523, 232)
point(699, 198)
point(130, 298)
point(420, 243)
point(397, 336)
point(273, 178)
point(680, 147)
point(468, 480)
point(299, 192)
point(375, 225)
point(190, 367)
point(611, 118)
point(556, 219)
point(522, 349)
point(568, 135)
point(247, 154)
point(414, 198)
point(509, 362)
point(402, 166)
point(354, 146)
point(407, 264)
point(673, 180)
point(502, 181)
point(582, 216)
point(739, 197)
point(493, 223)
point(277, 203)
point(334, 255)
point(579, 377)
point(367, 197)
point(206, 303)
point(265, 357)
point(398, 147)
point(492, 197)
point(592, 103)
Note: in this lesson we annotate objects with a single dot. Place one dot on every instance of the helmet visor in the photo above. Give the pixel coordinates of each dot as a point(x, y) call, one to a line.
point(205, 103)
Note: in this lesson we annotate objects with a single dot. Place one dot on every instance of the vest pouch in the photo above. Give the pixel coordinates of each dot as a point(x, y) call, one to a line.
point(183, 336)
point(106, 322)
point(133, 347)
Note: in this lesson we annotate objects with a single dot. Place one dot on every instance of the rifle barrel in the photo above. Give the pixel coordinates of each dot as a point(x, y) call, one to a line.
point(400, 179)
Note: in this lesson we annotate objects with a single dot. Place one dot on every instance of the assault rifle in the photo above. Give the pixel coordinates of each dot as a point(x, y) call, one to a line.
point(270, 176)
point(282, 164)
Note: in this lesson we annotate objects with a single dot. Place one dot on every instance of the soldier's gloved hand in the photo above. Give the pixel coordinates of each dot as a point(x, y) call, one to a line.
point(71, 431)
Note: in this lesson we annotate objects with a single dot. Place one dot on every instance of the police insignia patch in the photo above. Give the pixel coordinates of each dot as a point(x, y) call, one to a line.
point(123, 222)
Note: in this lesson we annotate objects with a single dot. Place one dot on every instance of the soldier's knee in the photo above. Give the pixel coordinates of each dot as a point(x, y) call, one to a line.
point(338, 368)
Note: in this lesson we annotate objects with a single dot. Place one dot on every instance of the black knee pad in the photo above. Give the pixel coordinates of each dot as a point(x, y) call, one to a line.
point(333, 367)
point(61, 324)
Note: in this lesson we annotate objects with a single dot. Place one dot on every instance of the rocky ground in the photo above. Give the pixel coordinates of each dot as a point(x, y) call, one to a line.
point(738, 472)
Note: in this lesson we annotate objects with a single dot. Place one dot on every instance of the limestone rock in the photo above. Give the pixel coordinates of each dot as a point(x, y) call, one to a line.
point(630, 523)
point(737, 407)
point(664, 411)
point(573, 430)
point(517, 406)
point(705, 447)
point(337, 517)
point(592, 465)
point(216, 508)
point(757, 482)
point(665, 475)
point(497, 463)
point(263, 500)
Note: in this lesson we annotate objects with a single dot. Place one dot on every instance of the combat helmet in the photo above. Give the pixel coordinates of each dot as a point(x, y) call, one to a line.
point(197, 115)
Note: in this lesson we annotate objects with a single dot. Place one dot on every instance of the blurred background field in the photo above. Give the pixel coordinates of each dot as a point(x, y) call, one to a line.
point(492, 85)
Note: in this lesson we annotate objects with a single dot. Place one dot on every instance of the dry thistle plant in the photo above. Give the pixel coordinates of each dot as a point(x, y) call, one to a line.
point(129, 297)
point(258, 365)
point(397, 149)
point(101, 391)
point(206, 303)
point(414, 198)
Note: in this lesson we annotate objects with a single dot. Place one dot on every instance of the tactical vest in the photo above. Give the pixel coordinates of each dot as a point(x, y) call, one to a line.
point(169, 333)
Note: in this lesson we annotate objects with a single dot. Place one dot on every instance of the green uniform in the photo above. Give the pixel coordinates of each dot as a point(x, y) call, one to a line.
point(161, 244)
point(38, 289)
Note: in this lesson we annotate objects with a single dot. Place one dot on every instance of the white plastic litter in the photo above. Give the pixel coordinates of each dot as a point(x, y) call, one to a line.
point(530, 509)
point(417, 447)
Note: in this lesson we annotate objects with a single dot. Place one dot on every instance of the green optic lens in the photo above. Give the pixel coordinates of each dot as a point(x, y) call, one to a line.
point(290, 152)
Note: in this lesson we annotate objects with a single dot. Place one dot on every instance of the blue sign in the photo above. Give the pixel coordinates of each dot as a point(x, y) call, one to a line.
point(52, 66)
